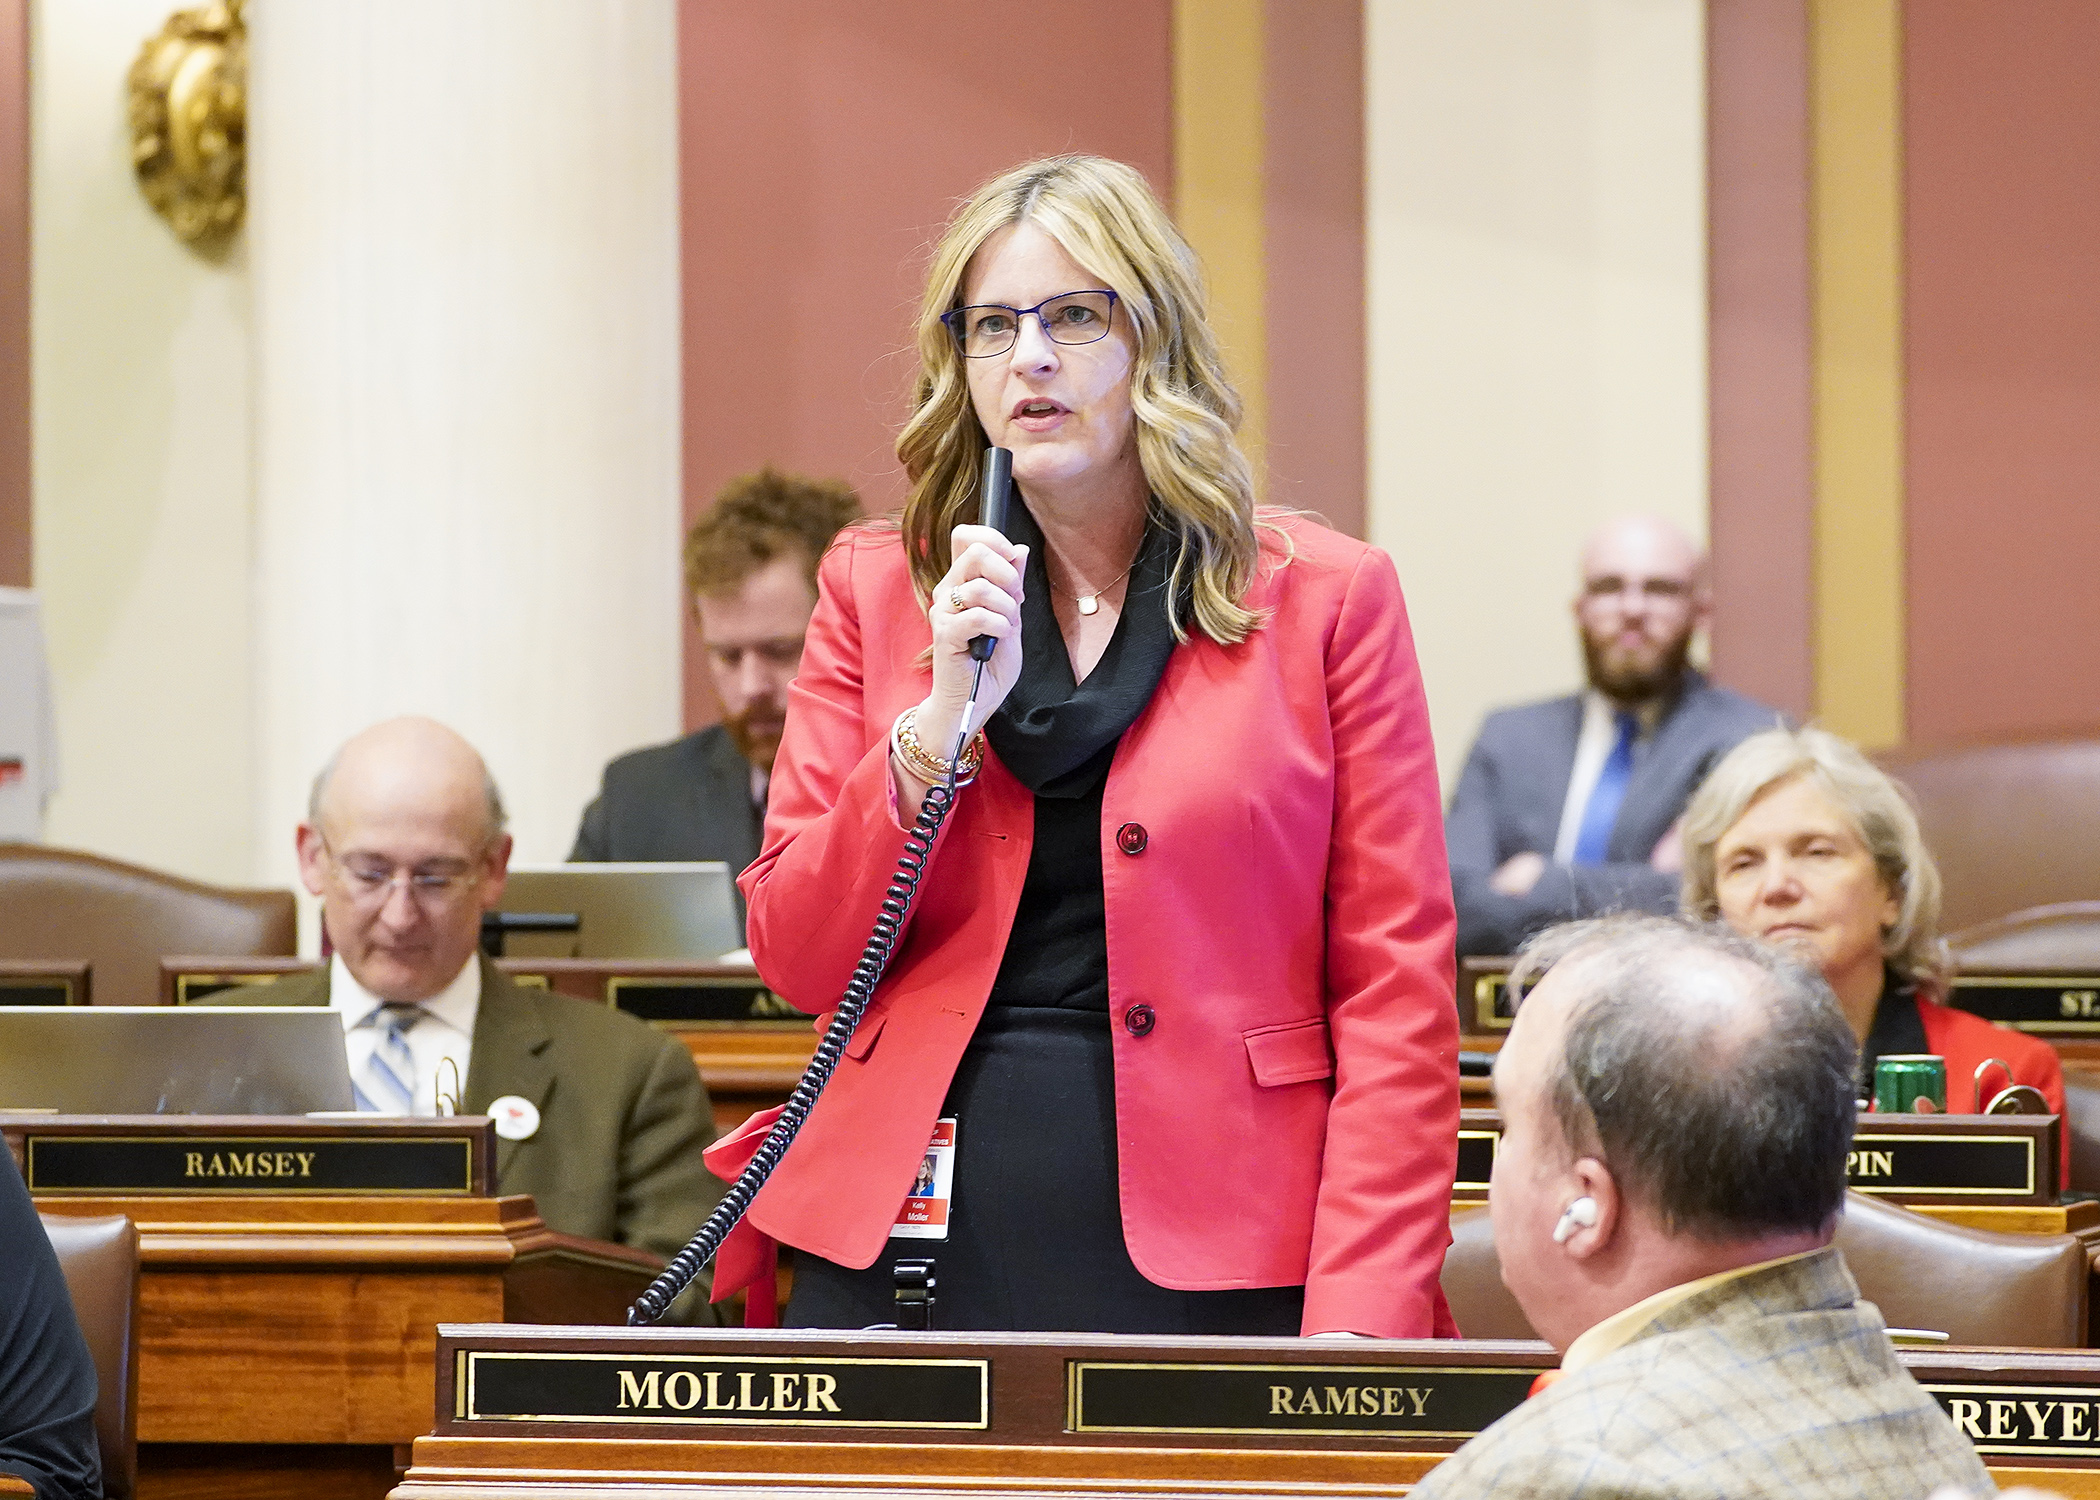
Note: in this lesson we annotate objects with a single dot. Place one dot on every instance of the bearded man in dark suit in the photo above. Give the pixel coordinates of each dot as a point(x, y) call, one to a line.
point(1569, 808)
point(751, 569)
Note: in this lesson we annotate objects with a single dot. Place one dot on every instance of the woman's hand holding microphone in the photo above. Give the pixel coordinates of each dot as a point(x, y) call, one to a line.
point(981, 595)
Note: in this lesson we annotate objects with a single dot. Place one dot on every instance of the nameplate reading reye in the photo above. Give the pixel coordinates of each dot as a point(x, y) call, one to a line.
point(1292, 1400)
point(721, 1390)
point(2040, 1421)
point(440, 1166)
point(2066, 1004)
point(1979, 1165)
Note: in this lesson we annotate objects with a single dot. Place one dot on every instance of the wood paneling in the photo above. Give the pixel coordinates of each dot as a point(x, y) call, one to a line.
point(2001, 126)
point(823, 146)
point(1760, 350)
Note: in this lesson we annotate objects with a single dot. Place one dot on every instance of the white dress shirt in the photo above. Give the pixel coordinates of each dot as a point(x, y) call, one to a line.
point(1600, 731)
point(446, 1030)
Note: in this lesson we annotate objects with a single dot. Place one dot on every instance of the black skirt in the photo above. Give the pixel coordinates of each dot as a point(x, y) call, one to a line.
point(1035, 1238)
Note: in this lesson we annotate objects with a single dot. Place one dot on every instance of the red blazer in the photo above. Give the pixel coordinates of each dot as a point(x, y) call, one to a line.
point(1966, 1040)
point(1276, 893)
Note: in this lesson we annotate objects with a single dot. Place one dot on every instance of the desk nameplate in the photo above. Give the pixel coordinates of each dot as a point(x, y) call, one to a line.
point(1294, 1400)
point(2026, 1421)
point(1476, 1161)
point(1980, 1165)
point(731, 1390)
point(131, 1165)
point(2053, 1004)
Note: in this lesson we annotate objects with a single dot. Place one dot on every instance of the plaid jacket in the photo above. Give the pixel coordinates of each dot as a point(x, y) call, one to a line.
point(1780, 1383)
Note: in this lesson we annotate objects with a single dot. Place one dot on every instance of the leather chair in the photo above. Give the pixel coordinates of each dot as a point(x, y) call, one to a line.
point(2023, 1290)
point(55, 903)
point(100, 1258)
point(2012, 824)
point(2064, 936)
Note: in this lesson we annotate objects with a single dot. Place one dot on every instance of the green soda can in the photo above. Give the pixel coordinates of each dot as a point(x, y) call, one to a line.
point(1910, 1083)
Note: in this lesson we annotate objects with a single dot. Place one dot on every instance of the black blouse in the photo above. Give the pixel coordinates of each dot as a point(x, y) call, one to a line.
point(1058, 735)
point(1898, 1030)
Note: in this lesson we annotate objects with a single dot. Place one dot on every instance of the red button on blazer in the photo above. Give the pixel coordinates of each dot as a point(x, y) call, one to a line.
point(1297, 1104)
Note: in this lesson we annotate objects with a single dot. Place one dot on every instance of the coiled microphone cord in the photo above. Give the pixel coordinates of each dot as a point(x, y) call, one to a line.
point(656, 1300)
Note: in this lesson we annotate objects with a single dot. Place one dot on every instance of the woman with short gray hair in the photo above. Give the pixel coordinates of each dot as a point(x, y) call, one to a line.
point(1799, 839)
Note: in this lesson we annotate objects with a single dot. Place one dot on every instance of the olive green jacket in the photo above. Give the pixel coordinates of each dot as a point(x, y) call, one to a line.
point(623, 1113)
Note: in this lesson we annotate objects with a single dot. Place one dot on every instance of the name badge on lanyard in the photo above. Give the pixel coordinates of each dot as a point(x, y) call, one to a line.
point(925, 1212)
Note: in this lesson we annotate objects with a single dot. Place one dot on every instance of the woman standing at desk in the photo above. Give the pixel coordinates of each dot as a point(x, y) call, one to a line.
point(1181, 962)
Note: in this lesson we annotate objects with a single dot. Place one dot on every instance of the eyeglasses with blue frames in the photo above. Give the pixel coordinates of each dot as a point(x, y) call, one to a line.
point(989, 329)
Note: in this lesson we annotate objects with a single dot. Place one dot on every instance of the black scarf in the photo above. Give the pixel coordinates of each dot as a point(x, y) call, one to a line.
point(1055, 733)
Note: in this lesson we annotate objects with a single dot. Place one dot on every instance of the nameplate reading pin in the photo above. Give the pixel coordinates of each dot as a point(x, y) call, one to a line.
point(1977, 1165)
point(1286, 1400)
point(722, 1390)
point(220, 1164)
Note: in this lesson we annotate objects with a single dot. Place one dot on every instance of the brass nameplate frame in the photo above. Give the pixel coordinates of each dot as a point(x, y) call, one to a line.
point(1476, 1160)
point(1978, 1165)
point(688, 999)
point(1955, 1162)
point(2065, 1004)
point(728, 1390)
point(198, 989)
point(2028, 1421)
point(1391, 1401)
point(201, 1164)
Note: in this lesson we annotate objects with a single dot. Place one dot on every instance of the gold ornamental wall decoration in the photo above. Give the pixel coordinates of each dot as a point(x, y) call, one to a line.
point(189, 122)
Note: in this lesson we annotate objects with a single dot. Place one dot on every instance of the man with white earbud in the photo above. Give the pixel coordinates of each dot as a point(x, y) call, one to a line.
point(1676, 1107)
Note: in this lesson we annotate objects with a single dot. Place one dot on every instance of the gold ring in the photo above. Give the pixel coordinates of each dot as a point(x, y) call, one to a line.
point(955, 600)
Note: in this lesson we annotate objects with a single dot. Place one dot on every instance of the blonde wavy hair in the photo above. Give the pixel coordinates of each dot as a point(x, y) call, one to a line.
point(1106, 218)
point(1880, 813)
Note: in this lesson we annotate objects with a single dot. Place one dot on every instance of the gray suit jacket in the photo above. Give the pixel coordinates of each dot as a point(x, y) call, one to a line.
point(1778, 1384)
point(690, 799)
point(1509, 801)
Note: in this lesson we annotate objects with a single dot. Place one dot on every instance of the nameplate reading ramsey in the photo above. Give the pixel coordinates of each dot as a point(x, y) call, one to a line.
point(1979, 1165)
point(218, 1164)
point(2046, 1004)
point(722, 1390)
point(1292, 1400)
point(2041, 1421)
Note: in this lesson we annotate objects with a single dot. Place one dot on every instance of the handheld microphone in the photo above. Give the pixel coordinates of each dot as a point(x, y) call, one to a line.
point(991, 511)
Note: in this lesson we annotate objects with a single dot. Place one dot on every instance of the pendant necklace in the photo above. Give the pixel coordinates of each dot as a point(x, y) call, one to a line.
point(1090, 604)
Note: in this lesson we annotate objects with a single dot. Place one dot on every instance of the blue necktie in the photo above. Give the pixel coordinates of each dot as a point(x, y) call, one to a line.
point(1593, 843)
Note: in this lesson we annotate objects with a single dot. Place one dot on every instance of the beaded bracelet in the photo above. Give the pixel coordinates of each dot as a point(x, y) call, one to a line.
point(928, 767)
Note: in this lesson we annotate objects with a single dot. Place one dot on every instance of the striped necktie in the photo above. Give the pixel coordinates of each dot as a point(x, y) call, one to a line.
point(386, 1085)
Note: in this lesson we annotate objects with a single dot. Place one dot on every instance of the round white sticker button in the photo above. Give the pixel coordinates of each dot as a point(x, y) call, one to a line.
point(516, 1119)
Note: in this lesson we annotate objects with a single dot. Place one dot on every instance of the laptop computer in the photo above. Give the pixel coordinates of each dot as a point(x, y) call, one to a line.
point(684, 911)
point(172, 1060)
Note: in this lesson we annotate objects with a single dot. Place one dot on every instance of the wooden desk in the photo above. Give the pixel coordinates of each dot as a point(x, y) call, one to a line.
point(286, 1339)
point(571, 1413)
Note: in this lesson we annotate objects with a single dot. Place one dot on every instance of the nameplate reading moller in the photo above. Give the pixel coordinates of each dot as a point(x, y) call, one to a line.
point(2041, 1421)
point(721, 1390)
point(1292, 1400)
point(441, 1166)
point(1979, 1165)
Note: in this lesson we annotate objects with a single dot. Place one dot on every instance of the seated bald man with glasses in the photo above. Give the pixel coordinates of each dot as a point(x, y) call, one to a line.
point(602, 1118)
